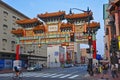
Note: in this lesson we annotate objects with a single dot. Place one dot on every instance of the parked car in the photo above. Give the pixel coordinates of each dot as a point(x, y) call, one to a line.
point(68, 65)
point(31, 68)
point(35, 68)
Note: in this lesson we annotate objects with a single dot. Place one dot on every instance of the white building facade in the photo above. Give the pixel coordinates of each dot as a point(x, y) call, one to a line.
point(55, 56)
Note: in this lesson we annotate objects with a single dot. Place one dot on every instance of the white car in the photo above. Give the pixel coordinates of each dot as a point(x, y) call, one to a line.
point(35, 68)
point(32, 68)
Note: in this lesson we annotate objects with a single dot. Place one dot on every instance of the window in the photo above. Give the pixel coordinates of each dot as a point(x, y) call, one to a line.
point(13, 29)
point(4, 33)
point(4, 43)
point(68, 29)
point(14, 24)
point(5, 20)
point(5, 27)
point(18, 19)
point(5, 13)
point(12, 45)
point(14, 17)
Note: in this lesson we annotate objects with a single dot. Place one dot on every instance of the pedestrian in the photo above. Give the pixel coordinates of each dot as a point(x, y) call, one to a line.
point(114, 71)
point(88, 68)
point(96, 68)
point(100, 68)
point(42, 66)
point(17, 70)
point(26, 66)
point(104, 71)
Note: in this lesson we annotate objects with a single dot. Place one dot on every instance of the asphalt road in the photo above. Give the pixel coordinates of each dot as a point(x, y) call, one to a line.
point(73, 73)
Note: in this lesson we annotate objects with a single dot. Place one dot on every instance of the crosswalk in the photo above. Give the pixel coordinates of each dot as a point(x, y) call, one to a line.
point(44, 75)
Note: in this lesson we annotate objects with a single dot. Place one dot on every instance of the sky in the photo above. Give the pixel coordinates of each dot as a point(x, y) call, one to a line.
point(32, 8)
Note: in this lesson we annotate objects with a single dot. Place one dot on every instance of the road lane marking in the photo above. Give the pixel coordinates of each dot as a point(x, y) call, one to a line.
point(73, 76)
point(57, 75)
point(44, 75)
point(65, 76)
point(49, 75)
point(41, 75)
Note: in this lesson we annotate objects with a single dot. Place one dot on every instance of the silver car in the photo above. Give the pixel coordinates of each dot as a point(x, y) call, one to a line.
point(35, 68)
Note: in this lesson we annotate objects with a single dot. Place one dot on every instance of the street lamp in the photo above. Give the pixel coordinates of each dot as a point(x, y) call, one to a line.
point(89, 32)
point(88, 11)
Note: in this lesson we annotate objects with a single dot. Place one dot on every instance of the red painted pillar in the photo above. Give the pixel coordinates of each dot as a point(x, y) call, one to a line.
point(94, 46)
point(94, 49)
point(17, 51)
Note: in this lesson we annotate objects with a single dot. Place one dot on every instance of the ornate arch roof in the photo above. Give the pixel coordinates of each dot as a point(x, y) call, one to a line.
point(80, 15)
point(53, 14)
point(63, 25)
point(28, 21)
point(94, 25)
point(18, 31)
point(39, 27)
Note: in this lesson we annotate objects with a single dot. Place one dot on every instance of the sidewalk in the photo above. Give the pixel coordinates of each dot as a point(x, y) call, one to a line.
point(8, 71)
point(98, 76)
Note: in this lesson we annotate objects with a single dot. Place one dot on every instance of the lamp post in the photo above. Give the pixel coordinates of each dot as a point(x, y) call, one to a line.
point(89, 32)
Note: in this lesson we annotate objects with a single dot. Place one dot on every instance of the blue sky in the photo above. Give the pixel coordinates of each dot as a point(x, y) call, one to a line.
point(33, 7)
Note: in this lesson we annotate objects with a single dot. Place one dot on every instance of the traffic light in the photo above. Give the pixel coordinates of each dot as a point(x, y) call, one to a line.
point(88, 50)
point(90, 40)
point(72, 37)
point(114, 44)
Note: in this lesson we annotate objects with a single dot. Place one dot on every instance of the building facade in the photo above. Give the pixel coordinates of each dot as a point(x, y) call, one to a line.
point(8, 17)
point(56, 56)
point(112, 26)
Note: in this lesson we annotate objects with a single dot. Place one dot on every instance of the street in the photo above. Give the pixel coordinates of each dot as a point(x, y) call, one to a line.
point(73, 73)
